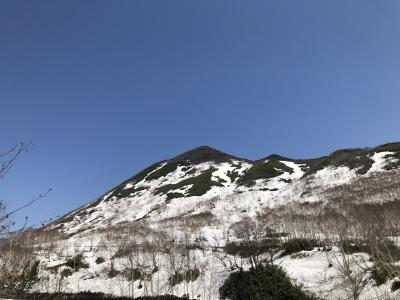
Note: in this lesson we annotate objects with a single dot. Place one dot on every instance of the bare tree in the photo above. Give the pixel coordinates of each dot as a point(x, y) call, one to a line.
point(7, 159)
point(18, 265)
point(256, 241)
point(352, 273)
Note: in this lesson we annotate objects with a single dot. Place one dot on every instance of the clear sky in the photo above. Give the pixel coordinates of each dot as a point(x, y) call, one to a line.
point(105, 88)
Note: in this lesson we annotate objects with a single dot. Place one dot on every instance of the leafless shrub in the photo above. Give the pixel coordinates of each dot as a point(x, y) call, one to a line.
point(18, 267)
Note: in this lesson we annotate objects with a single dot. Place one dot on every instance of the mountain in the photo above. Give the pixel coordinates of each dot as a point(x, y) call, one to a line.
point(227, 188)
point(183, 225)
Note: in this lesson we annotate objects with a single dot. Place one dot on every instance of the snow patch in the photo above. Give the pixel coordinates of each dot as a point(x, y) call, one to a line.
point(380, 161)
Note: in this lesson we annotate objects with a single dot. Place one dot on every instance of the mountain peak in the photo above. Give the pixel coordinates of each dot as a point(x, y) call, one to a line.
point(204, 153)
point(277, 157)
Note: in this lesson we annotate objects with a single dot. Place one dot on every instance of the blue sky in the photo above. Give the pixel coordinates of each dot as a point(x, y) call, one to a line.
point(105, 88)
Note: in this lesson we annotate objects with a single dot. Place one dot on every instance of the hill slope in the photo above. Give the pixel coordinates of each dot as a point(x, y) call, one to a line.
point(206, 180)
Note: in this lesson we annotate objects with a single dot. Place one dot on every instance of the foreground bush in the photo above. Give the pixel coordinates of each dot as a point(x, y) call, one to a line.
point(267, 282)
point(18, 274)
point(95, 296)
point(295, 245)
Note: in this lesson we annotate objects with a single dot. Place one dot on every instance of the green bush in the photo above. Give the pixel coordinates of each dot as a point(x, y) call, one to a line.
point(113, 273)
point(351, 246)
point(188, 275)
point(381, 273)
point(174, 195)
point(175, 279)
point(395, 286)
point(76, 263)
point(251, 248)
point(385, 248)
point(265, 170)
point(201, 184)
point(355, 159)
point(267, 282)
point(232, 175)
point(66, 273)
point(100, 260)
point(389, 249)
point(133, 274)
point(295, 245)
point(192, 274)
point(165, 170)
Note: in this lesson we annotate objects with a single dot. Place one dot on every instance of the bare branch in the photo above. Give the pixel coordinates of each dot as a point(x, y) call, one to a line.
point(9, 156)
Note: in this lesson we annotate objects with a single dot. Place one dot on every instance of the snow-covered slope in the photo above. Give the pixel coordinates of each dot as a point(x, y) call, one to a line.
point(177, 215)
point(205, 180)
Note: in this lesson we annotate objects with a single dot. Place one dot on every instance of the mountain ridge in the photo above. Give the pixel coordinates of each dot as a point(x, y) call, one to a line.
point(205, 172)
